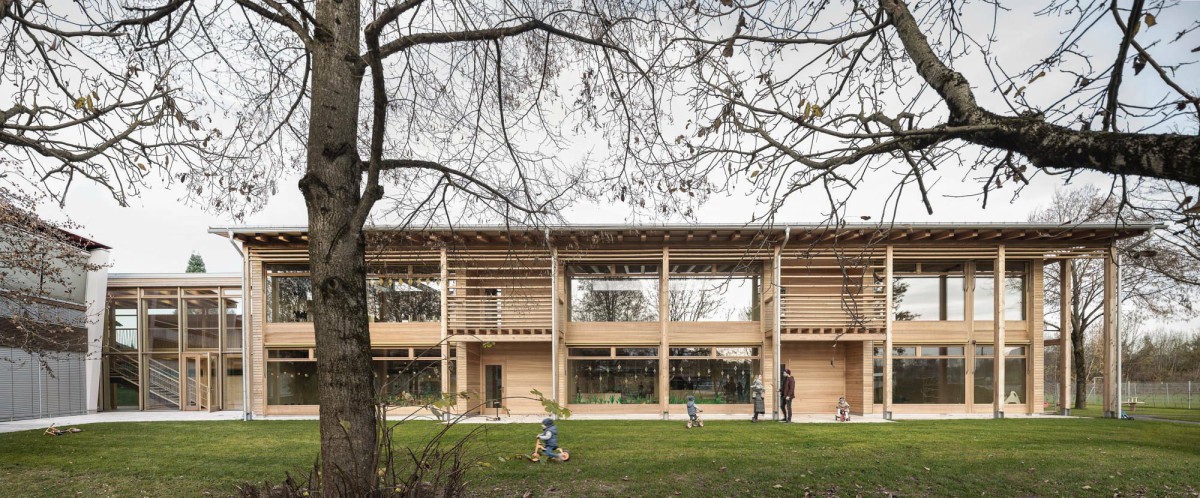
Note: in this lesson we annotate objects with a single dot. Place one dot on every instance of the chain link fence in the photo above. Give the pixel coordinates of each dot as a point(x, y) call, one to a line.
point(1144, 394)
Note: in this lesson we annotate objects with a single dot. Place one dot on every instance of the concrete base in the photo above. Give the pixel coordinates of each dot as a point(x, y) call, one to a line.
point(118, 416)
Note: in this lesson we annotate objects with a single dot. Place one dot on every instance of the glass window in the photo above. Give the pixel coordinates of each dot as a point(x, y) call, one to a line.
point(927, 351)
point(289, 293)
point(405, 297)
point(162, 381)
point(748, 351)
point(233, 323)
point(637, 351)
point(1015, 375)
point(233, 382)
point(162, 324)
point(287, 353)
point(928, 292)
point(712, 298)
point(928, 380)
point(123, 325)
point(614, 299)
point(877, 363)
point(122, 381)
point(391, 353)
point(691, 351)
point(712, 380)
point(203, 323)
point(613, 381)
point(1014, 290)
point(589, 351)
point(292, 382)
point(409, 382)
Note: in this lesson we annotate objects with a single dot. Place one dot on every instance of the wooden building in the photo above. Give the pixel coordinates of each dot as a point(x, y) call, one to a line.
point(624, 320)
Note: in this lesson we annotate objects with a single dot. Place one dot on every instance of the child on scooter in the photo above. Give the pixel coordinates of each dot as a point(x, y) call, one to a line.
point(692, 411)
point(549, 437)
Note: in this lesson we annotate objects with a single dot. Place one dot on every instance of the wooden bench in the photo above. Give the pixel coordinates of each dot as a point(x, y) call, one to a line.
point(1132, 404)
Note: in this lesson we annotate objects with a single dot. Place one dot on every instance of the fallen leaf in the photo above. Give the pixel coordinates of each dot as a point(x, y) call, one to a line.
point(777, 486)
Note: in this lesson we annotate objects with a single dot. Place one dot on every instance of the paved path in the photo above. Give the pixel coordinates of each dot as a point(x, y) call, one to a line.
point(1159, 419)
point(120, 416)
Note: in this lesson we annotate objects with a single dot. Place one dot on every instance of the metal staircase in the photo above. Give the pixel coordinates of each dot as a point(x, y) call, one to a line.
point(162, 380)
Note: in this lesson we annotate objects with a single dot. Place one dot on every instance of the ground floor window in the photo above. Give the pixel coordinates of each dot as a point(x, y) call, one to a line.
point(291, 377)
point(232, 387)
point(123, 380)
point(1015, 374)
point(612, 375)
point(408, 376)
point(714, 375)
point(877, 362)
point(928, 375)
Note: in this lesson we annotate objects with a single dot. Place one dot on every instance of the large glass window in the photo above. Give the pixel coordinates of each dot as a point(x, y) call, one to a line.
point(928, 291)
point(1014, 290)
point(162, 381)
point(233, 323)
point(405, 294)
point(1015, 374)
point(162, 323)
point(232, 388)
point(614, 293)
point(877, 363)
point(289, 293)
point(203, 322)
point(722, 378)
point(406, 380)
point(291, 377)
point(714, 292)
point(122, 381)
point(624, 375)
point(928, 375)
point(123, 325)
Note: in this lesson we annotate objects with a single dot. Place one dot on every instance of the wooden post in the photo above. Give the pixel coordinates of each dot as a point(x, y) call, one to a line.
point(998, 320)
point(776, 339)
point(444, 302)
point(664, 320)
point(1064, 327)
point(887, 336)
point(554, 311)
point(1112, 407)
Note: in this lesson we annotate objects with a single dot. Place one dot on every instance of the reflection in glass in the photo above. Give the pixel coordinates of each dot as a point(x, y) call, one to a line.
point(123, 325)
point(709, 299)
point(162, 381)
point(291, 383)
point(1015, 376)
point(613, 381)
point(289, 293)
point(203, 323)
point(712, 381)
point(233, 324)
point(614, 299)
point(408, 382)
point(122, 381)
point(162, 324)
point(232, 388)
point(1014, 292)
point(928, 380)
point(406, 299)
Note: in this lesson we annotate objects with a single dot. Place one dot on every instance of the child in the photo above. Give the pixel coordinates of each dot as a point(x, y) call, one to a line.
point(843, 410)
point(693, 418)
point(549, 437)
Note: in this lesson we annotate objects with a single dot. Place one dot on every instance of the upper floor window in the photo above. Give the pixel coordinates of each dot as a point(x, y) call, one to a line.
point(405, 293)
point(1014, 290)
point(289, 293)
point(928, 291)
point(626, 292)
point(714, 292)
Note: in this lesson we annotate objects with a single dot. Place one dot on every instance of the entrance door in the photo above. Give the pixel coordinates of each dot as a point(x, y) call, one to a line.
point(493, 385)
point(198, 383)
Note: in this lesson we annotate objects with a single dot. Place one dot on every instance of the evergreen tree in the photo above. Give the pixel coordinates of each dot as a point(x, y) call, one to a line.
point(196, 264)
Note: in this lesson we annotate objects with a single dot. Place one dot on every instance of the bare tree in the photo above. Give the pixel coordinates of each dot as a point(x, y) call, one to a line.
point(1149, 277)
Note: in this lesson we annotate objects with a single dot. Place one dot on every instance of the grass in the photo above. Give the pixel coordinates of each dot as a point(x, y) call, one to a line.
point(1014, 457)
point(1183, 414)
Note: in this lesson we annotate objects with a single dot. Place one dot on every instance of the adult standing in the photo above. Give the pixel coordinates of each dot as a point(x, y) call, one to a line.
point(759, 404)
point(788, 393)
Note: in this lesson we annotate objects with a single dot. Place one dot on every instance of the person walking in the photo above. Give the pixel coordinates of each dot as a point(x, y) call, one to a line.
point(787, 392)
point(759, 404)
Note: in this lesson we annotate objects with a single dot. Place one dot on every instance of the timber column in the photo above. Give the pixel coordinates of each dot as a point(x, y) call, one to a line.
point(887, 336)
point(1064, 332)
point(1112, 404)
point(664, 321)
point(998, 319)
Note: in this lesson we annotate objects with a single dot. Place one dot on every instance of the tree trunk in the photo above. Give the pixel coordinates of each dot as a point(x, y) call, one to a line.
point(336, 248)
point(1079, 364)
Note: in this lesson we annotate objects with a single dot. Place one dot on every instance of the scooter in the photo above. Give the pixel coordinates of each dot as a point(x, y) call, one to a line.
point(696, 422)
point(842, 415)
point(537, 451)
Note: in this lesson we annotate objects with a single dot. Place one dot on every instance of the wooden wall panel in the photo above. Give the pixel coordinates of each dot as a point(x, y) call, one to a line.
point(820, 372)
point(857, 383)
point(714, 333)
point(608, 334)
point(526, 366)
point(1037, 370)
point(257, 345)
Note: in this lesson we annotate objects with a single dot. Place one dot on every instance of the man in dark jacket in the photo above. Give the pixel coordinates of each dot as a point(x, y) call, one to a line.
point(787, 393)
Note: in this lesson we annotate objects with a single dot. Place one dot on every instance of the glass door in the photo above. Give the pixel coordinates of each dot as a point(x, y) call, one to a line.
point(198, 383)
point(494, 385)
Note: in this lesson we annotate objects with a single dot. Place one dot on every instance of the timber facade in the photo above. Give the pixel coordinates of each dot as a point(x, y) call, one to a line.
point(631, 320)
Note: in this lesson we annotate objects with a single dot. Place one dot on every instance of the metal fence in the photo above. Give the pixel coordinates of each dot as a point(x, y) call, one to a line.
point(1145, 394)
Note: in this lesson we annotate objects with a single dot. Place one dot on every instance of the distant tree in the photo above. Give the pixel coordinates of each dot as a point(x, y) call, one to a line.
point(1151, 275)
point(196, 264)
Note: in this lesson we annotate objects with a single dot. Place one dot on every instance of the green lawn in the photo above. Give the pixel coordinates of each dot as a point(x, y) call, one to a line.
point(1163, 413)
point(1011, 457)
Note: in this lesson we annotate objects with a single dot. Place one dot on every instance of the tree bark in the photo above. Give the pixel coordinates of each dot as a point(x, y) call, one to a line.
point(331, 187)
point(1079, 365)
point(1166, 156)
